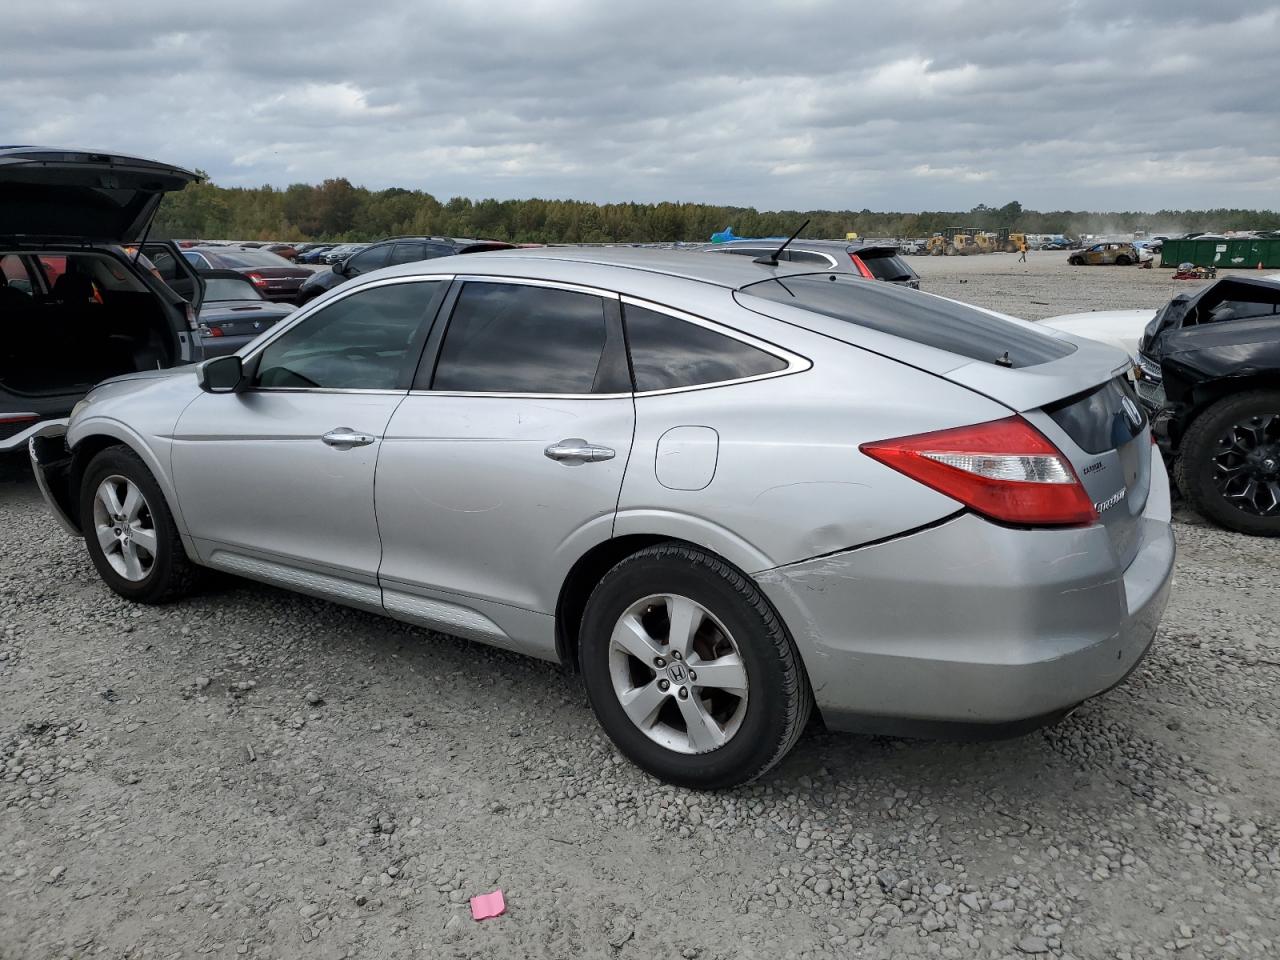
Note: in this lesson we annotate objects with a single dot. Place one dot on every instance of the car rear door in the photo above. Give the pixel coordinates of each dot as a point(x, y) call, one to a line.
point(176, 271)
point(504, 463)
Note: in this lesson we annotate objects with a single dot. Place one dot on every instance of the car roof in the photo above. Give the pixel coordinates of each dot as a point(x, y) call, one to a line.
point(557, 263)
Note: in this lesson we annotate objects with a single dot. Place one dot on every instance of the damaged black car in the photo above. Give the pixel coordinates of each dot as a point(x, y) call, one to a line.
point(83, 297)
point(1209, 375)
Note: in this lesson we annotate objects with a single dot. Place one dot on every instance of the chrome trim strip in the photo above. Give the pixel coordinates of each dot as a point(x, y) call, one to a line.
point(535, 282)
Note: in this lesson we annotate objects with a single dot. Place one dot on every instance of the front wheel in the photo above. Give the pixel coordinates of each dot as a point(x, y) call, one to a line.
point(129, 530)
point(1228, 464)
point(1123, 261)
point(690, 671)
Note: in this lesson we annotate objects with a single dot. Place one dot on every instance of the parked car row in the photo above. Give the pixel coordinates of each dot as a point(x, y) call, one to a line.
point(392, 252)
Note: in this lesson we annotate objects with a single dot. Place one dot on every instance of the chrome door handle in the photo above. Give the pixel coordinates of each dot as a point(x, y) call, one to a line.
point(577, 450)
point(344, 438)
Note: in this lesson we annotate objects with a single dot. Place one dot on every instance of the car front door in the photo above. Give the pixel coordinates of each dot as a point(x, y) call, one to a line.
point(276, 482)
point(504, 463)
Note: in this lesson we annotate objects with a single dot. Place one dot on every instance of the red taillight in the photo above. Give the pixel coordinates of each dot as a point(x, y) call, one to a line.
point(258, 279)
point(19, 417)
point(213, 332)
point(1006, 470)
point(862, 267)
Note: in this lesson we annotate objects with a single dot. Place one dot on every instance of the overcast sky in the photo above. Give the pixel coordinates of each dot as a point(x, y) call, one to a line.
point(906, 105)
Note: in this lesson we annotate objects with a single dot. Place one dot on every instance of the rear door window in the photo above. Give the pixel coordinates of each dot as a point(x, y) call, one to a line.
point(905, 313)
point(667, 352)
point(15, 271)
point(407, 253)
point(518, 338)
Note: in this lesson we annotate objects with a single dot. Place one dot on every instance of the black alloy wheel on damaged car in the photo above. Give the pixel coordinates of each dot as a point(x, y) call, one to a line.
point(1229, 463)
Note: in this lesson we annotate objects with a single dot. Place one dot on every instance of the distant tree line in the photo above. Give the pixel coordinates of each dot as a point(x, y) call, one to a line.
point(336, 210)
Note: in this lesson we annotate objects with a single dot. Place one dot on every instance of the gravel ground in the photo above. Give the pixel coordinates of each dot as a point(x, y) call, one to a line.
point(1047, 286)
point(253, 773)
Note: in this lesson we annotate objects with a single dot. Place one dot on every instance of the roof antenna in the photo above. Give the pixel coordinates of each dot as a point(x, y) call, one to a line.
point(771, 260)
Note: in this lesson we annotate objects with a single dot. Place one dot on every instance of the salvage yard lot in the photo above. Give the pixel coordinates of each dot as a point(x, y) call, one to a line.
point(255, 773)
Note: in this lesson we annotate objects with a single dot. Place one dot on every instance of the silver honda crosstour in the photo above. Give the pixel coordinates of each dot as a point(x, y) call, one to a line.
point(728, 491)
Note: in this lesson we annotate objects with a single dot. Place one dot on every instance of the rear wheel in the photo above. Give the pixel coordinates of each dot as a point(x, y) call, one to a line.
point(1123, 261)
point(1075, 261)
point(690, 671)
point(129, 531)
point(1228, 464)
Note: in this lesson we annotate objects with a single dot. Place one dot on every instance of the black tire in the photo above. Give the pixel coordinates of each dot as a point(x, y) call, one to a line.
point(1194, 470)
point(171, 574)
point(779, 699)
point(1123, 261)
point(1075, 261)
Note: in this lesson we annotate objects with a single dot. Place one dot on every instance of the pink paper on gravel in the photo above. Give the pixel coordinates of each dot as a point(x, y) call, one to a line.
point(488, 905)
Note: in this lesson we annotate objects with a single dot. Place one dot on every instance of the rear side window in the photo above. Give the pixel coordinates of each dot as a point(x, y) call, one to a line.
point(932, 321)
point(407, 253)
point(667, 352)
point(803, 256)
point(515, 338)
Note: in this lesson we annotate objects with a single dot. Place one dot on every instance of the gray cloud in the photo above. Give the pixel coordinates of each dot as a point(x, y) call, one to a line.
point(809, 103)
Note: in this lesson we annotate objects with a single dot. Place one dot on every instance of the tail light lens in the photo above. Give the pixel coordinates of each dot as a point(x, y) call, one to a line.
point(1006, 470)
point(257, 279)
point(211, 331)
point(862, 267)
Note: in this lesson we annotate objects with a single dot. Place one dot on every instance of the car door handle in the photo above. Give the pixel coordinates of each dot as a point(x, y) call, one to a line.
point(577, 450)
point(344, 438)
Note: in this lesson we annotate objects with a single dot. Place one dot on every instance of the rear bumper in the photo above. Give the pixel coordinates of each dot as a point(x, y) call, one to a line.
point(971, 623)
point(19, 440)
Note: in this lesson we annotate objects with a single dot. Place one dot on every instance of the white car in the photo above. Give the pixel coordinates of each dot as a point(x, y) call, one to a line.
point(1119, 328)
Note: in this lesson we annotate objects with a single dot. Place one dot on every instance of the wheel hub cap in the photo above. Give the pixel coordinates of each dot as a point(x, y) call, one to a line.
point(1246, 465)
point(678, 674)
point(125, 528)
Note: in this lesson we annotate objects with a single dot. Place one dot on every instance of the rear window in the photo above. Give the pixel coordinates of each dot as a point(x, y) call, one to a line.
point(905, 313)
point(1103, 419)
point(250, 258)
point(890, 267)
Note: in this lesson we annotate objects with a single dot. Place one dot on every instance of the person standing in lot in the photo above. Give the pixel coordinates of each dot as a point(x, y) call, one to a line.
point(1023, 247)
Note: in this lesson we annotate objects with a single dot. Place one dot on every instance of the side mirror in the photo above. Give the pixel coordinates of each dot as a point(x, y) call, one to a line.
point(221, 375)
point(340, 268)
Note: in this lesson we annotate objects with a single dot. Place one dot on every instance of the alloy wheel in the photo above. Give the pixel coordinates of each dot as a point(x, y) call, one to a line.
point(1246, 465)
point(678, 673)
point(125, 528)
